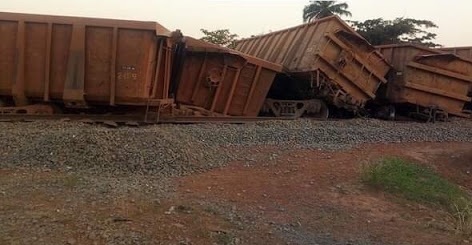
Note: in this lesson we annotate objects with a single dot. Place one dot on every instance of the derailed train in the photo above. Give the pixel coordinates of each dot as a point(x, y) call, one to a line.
point(347, 72)
point(67, 65)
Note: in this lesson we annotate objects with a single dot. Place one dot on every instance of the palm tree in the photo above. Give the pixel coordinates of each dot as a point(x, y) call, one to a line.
point(320, 9)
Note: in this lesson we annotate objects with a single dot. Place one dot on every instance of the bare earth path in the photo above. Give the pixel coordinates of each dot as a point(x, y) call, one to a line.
point(296, 196)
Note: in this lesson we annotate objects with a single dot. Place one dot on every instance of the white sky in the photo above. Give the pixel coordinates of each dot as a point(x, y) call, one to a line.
point(247, 17)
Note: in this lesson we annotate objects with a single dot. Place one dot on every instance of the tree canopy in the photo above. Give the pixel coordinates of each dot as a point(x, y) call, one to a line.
point(221, 37)
point(320, 9)
point(400, 30)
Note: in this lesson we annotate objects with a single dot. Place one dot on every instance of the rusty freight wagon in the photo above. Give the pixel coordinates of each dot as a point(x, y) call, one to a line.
point(464, 52)
point(221, 82)
point(344, 69)
point(81, 63)
point(437, 84)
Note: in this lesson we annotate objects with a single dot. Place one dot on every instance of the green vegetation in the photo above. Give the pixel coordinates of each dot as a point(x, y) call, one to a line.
point(221, 37)
point(463, 216)
point(225, 238)
point(400, 30)
point(71, 181)
point(414, 182)
point(321, 9)
point(421, 184)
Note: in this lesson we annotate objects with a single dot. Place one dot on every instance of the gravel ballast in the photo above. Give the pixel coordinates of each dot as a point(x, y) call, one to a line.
point(171, 150)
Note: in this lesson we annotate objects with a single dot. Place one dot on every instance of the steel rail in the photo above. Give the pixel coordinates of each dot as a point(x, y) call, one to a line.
point(133, 119)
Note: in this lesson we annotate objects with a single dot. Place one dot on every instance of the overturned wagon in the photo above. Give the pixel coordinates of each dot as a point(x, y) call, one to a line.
point(434, 83)
point(81, 63)
point(341, 66)
point(221, 82)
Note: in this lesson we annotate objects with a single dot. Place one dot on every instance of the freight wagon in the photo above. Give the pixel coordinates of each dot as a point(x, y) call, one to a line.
point(339, 65)
point(77, 63)
point(464, 52)
point(436, 84)
point(223, 82)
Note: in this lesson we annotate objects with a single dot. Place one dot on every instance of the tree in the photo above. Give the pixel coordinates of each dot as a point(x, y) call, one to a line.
point(400, 30)
point(320, 9)
point(221, 37)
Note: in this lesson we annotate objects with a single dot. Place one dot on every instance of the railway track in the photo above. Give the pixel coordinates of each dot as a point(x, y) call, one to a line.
point(133, 120)
point(113, 120)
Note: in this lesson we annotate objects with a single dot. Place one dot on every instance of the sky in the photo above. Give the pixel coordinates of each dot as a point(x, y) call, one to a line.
point(252, 17)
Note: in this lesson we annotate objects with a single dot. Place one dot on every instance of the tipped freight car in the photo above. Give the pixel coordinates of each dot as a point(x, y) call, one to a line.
point(431, 84)
point(221, 81)
point(339, 65)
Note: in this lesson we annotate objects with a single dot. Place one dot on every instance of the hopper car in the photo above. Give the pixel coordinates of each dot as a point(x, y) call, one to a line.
point(325, 62)
point(427, 83)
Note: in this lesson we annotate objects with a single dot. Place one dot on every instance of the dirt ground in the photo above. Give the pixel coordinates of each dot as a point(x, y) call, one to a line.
point(292, 197)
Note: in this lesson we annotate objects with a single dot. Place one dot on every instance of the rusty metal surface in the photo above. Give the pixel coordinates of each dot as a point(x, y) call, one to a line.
point(428, 78)
point(329, 45)
point(464, 52)
point(67, 20)
point(82, 61)
point(400, 54)
point(223, 81)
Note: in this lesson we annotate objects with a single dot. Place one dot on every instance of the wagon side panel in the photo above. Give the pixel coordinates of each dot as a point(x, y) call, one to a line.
point(8, 55)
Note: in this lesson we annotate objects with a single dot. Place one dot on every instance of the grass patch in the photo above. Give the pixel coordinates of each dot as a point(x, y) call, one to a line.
point(225, 238)
point(463, 217)
point(412, 181)
point(71, 181)
point(420, 184)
